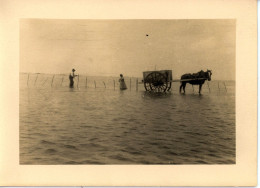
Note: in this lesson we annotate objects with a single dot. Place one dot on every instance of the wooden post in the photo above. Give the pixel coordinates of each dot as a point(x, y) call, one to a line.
point(95, 84)
point(114, 84)
point(130, 84)
point(52, 80)
point(78, 81)
point(137, 84)
point(86, 85)
point(218, 87)
point(36, 79)
point(193, 88)
point(225, 86)
point(208, 86)
point(104, 84)
point(61, 81)
point(28, 79)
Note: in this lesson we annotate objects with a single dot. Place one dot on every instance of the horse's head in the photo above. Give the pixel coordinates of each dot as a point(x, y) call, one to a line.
point(209, 73)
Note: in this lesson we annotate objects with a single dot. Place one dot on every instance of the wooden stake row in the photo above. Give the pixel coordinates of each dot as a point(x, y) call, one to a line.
point(114, 83)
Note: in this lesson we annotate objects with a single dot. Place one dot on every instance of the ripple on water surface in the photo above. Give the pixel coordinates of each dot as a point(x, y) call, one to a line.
point(113, 127)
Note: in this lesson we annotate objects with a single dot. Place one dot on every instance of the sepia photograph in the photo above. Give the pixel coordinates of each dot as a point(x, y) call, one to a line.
point(127, 91)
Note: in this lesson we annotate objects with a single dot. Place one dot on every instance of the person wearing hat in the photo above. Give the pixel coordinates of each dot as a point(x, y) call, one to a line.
point(122, 82)
point(71, 77)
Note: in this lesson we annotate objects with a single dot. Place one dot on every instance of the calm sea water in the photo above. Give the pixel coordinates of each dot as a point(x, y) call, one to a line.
point(88, 125)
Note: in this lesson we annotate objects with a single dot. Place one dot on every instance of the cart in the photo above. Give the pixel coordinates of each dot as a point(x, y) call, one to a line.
point(157, 81)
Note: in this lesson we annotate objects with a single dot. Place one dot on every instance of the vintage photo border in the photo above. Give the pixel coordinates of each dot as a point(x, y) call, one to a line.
point(243, 173)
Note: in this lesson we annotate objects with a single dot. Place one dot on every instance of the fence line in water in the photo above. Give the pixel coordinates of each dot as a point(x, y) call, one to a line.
point(44, 81)
point(36, 79)
point(108, 83)
point(130, 84)
point(137, 84)
point(54, 79)
point(61, 81)
point(78, 81)
point(208, 87)
point(28, 79)
point(114, 84)
point(225, 86)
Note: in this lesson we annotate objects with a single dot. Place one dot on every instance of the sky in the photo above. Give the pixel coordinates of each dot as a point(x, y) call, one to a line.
point(130, 47)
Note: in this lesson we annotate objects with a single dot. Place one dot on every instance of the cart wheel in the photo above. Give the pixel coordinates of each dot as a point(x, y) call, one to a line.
point(156, 82)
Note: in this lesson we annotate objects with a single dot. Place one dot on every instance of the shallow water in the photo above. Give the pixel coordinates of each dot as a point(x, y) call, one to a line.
point(84, 125)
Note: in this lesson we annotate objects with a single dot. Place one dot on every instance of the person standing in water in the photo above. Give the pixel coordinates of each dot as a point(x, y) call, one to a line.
point(122, 82)
point(71, 77)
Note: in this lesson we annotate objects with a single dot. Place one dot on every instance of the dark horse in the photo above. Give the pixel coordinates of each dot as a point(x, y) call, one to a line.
point(197, 79)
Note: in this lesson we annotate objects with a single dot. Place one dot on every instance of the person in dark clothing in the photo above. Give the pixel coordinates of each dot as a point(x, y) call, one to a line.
point(71, 77)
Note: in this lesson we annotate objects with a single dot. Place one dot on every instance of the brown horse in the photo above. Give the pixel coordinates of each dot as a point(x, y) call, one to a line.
point(197, 79)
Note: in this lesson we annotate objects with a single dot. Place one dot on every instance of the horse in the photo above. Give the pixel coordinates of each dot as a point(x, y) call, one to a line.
point(197, 79)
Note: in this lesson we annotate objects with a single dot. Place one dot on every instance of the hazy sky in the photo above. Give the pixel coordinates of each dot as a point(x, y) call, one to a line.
point(111, 47)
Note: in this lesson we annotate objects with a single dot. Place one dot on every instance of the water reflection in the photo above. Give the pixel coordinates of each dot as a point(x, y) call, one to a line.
point(62, 125)
point(154, 95)
point(71, 89)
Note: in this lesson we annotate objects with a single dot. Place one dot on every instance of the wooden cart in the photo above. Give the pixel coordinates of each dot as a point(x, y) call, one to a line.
point(157, 81)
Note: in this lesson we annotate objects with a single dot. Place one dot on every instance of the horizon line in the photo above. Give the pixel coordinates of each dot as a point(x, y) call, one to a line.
point(64, 74)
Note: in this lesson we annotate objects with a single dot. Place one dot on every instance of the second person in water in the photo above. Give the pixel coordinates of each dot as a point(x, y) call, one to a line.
point(122, 82)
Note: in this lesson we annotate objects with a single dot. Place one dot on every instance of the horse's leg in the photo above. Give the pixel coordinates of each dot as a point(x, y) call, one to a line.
point(200, 88)
point(184, 85)
point(181, 86)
